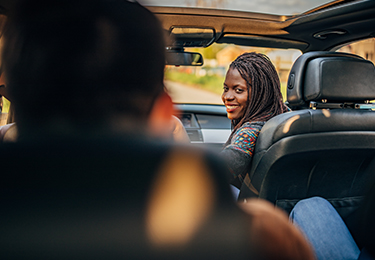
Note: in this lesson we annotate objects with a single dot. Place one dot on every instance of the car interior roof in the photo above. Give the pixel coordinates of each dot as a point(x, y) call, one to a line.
point(320, 29)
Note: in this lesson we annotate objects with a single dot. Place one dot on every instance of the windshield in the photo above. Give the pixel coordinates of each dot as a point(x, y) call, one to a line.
point(204, 84)
point(287, 7)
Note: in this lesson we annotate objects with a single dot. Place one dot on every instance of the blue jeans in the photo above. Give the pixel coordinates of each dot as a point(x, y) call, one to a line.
point(325, 229)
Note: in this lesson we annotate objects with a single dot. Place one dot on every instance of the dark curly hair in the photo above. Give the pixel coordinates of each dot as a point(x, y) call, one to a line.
point(262, 80)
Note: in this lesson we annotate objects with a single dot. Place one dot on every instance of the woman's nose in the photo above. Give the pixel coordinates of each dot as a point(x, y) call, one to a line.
point(228, 95)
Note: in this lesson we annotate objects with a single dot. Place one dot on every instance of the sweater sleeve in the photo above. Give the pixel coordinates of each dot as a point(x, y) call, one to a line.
point(238, 154)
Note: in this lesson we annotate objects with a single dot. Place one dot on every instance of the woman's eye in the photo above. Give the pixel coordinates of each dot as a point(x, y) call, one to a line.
point(238, 90)
point(225, 89)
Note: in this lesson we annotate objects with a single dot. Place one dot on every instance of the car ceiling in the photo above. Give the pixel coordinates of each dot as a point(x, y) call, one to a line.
point(323, 28)
point(333, 24)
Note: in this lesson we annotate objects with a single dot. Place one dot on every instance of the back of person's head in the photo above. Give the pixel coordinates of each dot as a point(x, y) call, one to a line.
point(82, 61)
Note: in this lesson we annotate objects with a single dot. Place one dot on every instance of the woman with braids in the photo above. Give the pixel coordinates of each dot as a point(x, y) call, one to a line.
point(251, 96)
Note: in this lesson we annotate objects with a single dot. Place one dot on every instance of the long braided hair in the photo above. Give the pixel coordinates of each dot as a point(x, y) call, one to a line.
point(264, 99)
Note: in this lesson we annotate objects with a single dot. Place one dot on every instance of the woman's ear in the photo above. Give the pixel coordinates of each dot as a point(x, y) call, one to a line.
point(160, 119)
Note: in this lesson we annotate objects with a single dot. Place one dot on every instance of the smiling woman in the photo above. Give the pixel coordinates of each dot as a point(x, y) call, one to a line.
point(252, 96)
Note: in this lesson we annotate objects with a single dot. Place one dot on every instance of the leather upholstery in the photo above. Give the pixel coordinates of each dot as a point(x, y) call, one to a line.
point(330, 75)
point(322, 152)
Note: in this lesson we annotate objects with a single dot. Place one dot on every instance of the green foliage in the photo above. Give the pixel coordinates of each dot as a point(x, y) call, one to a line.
point(209, 52)
point(6, 105)
point(211, 83)
point(283, 90)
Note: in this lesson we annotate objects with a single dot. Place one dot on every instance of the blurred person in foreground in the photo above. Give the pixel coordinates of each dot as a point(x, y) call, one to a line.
point(88, 178)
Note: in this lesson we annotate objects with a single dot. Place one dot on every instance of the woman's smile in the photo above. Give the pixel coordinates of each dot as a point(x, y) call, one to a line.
point(231, 108)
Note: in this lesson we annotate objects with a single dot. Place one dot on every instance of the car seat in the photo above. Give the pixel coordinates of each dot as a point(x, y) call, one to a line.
point(326, 148)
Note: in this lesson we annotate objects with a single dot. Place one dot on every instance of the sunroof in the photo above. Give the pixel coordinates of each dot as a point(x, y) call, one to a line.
point(278, 7)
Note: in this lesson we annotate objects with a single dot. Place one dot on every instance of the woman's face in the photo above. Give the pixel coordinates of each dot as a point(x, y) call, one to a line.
point(235, 94)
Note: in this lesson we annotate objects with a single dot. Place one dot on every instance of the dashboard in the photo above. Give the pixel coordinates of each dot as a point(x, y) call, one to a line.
point(205, 124)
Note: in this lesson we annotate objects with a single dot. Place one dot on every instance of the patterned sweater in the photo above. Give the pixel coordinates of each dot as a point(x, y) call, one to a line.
point(238, 154)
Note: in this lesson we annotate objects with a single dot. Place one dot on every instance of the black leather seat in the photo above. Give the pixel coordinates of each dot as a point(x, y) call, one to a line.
point(325, 149)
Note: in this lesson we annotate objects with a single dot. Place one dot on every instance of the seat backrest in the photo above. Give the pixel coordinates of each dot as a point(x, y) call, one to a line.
point(327, 149)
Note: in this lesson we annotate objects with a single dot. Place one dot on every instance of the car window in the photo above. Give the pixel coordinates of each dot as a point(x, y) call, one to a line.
point(213, 122)
point(364, 48)
point(4, 103)
point(271, 6)
point(4, 109)
point(204, 84)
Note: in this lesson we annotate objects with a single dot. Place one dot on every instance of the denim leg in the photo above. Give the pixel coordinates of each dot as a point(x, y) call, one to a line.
point(325, 229)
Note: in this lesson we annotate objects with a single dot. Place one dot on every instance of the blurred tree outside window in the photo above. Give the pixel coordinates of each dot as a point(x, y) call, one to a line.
point(364, 48)
point(207, 81)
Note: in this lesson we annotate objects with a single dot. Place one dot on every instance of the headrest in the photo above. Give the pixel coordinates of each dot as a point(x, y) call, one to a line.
point(331, 76)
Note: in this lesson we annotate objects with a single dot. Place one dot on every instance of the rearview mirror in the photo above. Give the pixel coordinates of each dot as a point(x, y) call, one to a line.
point(178, 58)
